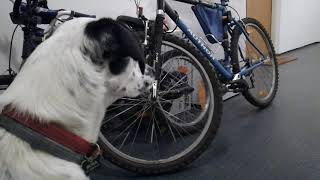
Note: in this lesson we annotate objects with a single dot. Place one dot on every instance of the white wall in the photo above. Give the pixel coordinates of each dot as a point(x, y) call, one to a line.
point(100, 8)
point(295, 23)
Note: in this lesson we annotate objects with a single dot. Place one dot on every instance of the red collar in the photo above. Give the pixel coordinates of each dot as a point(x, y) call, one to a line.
point(52, 131)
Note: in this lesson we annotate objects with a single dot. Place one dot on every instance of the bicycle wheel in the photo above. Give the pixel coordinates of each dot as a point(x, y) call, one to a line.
point(263, 80)
point(163, 136)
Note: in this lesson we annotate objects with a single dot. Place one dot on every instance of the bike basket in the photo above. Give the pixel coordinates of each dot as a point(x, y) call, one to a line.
point(211, 21)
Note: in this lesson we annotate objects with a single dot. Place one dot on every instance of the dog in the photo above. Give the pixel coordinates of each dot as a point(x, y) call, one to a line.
point(70, 79)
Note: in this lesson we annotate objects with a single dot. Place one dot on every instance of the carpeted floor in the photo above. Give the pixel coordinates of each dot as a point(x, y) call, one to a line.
point(281, 142)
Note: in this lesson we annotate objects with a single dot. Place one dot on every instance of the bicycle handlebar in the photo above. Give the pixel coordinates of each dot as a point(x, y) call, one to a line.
point(196, 2)
point(16, 7)
point(22, 9)
point(77, 14)
point(207, 3)
point(193, 2)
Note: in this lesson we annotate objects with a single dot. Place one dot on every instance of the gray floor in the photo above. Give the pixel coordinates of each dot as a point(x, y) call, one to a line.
point(281, 142)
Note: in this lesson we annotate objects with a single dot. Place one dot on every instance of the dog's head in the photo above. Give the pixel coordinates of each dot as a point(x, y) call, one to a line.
point(114, 47)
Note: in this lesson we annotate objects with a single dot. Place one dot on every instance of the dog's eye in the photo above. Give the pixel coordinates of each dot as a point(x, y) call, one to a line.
point(119, 65)
point(106, 54)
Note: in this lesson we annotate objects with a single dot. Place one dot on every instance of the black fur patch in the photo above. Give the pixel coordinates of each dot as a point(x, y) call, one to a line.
point(119, 66)
point(130, 45)
point(115, 42)
point(107, 44)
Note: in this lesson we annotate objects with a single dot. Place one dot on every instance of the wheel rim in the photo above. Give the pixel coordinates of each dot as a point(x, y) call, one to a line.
point(177, 133)
point(262, 79)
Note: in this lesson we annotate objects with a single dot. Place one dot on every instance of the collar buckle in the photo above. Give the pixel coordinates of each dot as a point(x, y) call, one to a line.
point(92, 162)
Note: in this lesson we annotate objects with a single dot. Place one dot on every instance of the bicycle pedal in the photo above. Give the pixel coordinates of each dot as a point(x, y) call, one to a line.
point(239, 85)
point(224, 89)
point(177, 93)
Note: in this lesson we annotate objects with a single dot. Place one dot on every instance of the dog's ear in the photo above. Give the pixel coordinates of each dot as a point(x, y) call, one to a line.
point(130, 45)
point(115, 42)
point(105, 44)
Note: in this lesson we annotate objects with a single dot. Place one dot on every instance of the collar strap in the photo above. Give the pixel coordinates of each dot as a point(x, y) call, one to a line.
point(53, 132)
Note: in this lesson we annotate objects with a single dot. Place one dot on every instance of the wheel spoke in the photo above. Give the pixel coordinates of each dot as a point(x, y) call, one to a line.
point(125, 139)
point(126, 120)
point(130, 125)
point(177, 83)
point(135, 136)
point(121, 113)
point(168, 72)
point(132, 99)
point(175, 127)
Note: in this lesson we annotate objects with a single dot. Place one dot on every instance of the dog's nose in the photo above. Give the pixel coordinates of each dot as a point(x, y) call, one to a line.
point(147, 84)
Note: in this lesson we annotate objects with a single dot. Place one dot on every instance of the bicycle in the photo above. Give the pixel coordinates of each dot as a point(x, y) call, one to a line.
point(157, 149)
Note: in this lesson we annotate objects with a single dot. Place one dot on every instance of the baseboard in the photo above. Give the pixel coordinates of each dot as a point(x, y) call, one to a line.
point(298, 48)
point(284, 59)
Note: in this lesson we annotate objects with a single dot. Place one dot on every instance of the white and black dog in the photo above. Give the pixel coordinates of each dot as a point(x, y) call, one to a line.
point(70, 79)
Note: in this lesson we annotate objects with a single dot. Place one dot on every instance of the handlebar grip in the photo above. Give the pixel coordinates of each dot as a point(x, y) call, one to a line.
point(77, 14)
point(16, 8)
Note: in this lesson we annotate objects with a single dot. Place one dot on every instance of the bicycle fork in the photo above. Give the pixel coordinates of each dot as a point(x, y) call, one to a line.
point(157, 42)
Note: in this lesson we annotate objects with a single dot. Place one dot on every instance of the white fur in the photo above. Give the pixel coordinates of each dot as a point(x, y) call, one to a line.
point(48, 87)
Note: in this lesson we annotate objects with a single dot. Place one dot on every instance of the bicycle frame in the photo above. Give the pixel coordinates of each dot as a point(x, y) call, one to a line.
point(198, 42)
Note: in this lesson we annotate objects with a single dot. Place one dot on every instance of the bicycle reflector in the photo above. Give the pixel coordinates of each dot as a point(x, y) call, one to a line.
point(183, 70)
point(202, 95)
point(211, 21)
point(263, 93)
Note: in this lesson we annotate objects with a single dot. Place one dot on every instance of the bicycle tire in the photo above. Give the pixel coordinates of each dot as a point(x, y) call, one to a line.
point(260, 103)
point(192, 155)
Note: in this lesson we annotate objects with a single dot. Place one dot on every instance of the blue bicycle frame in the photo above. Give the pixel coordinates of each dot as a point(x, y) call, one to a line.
point(197, 41)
